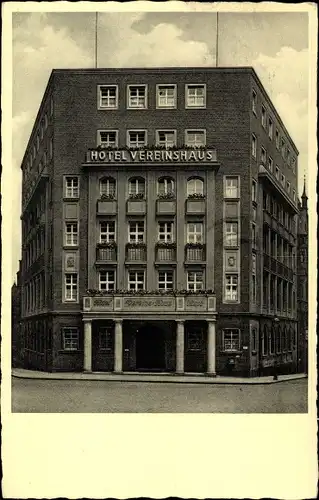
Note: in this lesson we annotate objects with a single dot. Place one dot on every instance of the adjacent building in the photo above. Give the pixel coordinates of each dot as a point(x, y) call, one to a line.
point(302, 283)
point(160, 225)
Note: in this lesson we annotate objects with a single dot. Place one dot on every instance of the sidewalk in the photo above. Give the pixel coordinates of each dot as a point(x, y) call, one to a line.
point(189, 378)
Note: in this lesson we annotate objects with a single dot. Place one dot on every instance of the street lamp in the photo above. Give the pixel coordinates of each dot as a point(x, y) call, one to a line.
point(275, 331)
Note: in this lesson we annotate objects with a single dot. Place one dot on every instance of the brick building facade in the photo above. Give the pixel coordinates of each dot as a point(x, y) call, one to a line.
point(159, 225)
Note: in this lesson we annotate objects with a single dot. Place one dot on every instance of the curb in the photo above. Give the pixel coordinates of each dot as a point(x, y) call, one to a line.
point(169, 380)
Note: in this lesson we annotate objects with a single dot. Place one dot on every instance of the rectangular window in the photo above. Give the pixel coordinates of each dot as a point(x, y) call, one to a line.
point(195, 96)
point(107, 138)
point(46, 121)
point(106, 280)
point(71, 187)
point(70, 338)
point(283, 179)
point(231, 287)
point(195, 280)
point(105, 338)
point(254, 146)
point(136, 232)
point(231, 340)
point(253, 288)
point(288, 156)
point(136, 138)
point(277, 172)
point(195, 138)
point(263, 116)
point(165, 280)
point(263, 155)
point(71, 287)
point(231, 209)
point(165, 232)
point(166, 138)
point(293, 165)
point(107, 96)
point(231, 234)
point(194, 232)
point(71, 233)
point(253, 234)
point(254, 102)
point(283, 148)
point(254, 191)
point(137, 96)
point(253, 263)
point(136, 280)
point(277, 138)
point(107, 231)
point(166, 96)
point(294, 195)
point(231, 187)
point(270, 164)
point(270, 129)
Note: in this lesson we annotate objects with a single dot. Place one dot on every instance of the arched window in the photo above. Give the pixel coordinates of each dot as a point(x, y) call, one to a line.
point(137, 187)
point(107, 187)
point(195, 186)
point(165, 186)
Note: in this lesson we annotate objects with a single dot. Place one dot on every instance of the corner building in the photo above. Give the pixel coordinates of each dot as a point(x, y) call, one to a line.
point(159, 225)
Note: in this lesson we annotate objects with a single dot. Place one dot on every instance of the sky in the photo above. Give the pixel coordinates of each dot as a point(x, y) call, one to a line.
point(274, 43)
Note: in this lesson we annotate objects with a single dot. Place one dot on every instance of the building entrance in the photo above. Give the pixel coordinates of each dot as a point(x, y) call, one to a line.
point(150, 348)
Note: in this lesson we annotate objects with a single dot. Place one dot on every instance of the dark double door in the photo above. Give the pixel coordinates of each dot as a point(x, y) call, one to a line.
point(150, 348)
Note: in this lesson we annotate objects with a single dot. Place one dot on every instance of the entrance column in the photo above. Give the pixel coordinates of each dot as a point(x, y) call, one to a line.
point(211, 348)
point(180, 347)
point(118, 346)
point(87, 345)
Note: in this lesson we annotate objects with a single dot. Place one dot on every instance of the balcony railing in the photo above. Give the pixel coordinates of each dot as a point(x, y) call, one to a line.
point(195, 253)
point(165, 254)
point(136, 252)
point(107, 254)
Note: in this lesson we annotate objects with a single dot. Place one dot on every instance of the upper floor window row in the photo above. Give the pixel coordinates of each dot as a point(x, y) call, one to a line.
point(137, 96)
point(139, 138)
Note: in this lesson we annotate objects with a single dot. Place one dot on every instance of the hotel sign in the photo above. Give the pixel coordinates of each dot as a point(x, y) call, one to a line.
point(151, 156)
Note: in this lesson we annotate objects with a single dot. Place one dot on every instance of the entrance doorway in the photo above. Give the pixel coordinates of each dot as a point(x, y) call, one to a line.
point(150, 348)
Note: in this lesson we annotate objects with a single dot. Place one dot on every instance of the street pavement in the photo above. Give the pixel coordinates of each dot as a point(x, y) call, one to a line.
point(96, 396)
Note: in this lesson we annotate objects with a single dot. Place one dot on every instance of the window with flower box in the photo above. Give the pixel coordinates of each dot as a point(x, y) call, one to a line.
point(165, 187)
point(107, 231)
point(136, 280)
point(106, 280)
point(195, 280)
point(231, 340)
point(107, 187)
point(166, 96)
point(166, 138)
point(137, 187)
point(165, 232)
point(70, 338)
point(107, 138)
point(136, 138)
point(195, 186)
point(136, 232)
point(195, 232)
point(165, 280)
point(195, 138)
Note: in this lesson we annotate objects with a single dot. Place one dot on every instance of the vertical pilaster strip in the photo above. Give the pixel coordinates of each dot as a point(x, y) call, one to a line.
point(211, 348)
point(180, 348)
point(88, 345)
point(118, 346)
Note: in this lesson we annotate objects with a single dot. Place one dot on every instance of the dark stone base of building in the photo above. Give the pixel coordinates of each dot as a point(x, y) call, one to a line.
point(56, 343)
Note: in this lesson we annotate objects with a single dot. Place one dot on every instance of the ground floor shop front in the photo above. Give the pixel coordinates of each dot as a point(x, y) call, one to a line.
point(229, 345)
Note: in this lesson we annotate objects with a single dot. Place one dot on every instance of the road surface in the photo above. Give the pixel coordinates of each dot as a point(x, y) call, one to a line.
point(77, 396)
